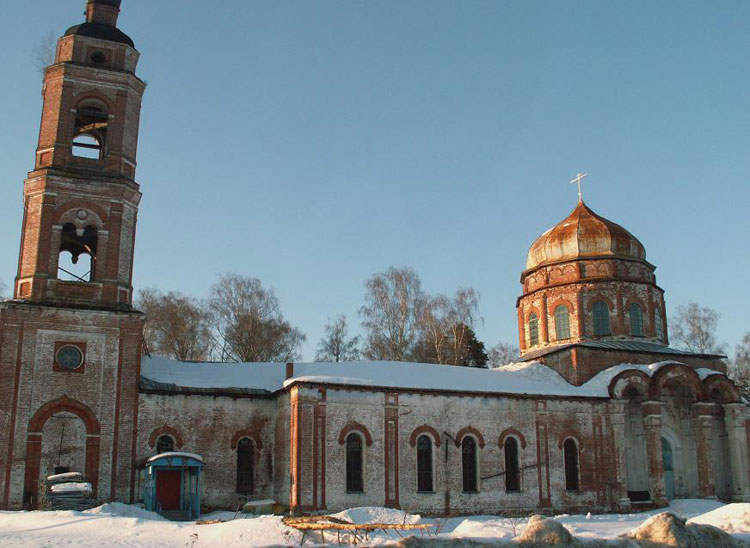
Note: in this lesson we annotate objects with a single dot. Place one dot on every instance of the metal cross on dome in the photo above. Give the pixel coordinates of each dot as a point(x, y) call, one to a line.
point(578, 178)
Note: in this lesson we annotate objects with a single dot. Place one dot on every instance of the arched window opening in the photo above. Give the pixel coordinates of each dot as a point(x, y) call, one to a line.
point(533, 329)
point(469, 464)
point(75, 245)
point(354, 479)
point(424, 464)
point(601, 318)
point(636, 320)
point(512, 469)
point(562, 322)
point(245, 465)
point(570, 454)
point(164, 444)
point(658, 325)
point(90, 131)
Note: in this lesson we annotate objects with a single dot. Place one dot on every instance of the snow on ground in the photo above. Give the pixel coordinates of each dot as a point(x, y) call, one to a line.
point(122, 525)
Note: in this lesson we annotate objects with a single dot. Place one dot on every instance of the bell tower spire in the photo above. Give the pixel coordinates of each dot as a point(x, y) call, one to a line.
point(81, 199)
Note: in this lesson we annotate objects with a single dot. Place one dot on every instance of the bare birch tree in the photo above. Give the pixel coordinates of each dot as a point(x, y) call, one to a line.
point(389, 316)
point(503, 354)
point(336, 346)
point(249, 322)
point(694, 329)
point(177, 326)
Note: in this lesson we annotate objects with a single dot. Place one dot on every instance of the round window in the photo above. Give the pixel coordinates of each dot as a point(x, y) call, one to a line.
point(69, 357)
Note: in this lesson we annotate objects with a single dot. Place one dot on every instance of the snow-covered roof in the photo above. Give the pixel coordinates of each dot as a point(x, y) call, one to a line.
point(528, 378)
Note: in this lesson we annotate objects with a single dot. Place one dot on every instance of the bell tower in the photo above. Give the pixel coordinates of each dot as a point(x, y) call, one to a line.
point(70, 341)
point(81, 199)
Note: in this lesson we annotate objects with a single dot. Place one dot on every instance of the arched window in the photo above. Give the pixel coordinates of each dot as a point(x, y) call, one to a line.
point(658, 325)
point(90, 131)
point(562, 322)
point(636, 320)
point(164, 444)
point(533, 329)
point(570, 454)
point(245, 465)
point(469, 464)
point(424, 463)
point(512, 470)
point(601, 318)
point(354, 483)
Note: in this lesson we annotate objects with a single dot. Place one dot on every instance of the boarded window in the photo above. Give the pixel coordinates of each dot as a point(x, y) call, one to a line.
point(245, 462)
point(636, 320)
point(354, 480)
point(533, 329)
point(570, 450)
point(562, 322)
point(601, 318)
point(424, 464)
point(512, 471)
point(164, 444)
point(469, 464)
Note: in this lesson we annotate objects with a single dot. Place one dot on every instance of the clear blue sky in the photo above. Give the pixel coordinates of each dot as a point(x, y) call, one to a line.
point(311, 144)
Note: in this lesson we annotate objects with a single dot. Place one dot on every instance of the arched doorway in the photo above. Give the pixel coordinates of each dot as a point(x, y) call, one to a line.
point(62, 434)
point(668, 463)
point(636, 459)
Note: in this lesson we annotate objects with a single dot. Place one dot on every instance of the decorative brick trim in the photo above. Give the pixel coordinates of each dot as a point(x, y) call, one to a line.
point(511, 432)
point(354, 426)
point(562, 302)
point(469, 430)
point(686, 375)
point(173, 432)
point(626, 379)
point(607, 300)
point(97, 96)
point(65, 404)
point(572, 435)
point(532, 310)
point(75, 205)
point(424, 429)
point(247, 433)
point(728, 389)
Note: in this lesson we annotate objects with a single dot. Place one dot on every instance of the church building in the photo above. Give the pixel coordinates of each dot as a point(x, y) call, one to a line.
point(600, 414)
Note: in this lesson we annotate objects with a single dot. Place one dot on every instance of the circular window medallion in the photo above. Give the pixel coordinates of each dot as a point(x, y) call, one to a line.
point(82, 214)
point(69, 357)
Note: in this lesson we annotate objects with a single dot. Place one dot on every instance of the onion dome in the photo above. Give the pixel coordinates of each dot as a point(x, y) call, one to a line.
point(584, 234)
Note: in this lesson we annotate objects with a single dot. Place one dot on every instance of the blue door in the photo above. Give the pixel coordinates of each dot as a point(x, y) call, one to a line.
point(666, 455)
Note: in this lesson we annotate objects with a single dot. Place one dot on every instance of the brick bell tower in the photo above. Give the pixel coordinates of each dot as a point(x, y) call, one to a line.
point(81, 200)
point(70, 342)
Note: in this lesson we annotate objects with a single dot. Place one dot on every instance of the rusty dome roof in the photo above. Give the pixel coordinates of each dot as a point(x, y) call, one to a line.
point(583, 234)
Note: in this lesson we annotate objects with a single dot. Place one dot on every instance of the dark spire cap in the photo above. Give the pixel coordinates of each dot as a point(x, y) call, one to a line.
point(113, 3)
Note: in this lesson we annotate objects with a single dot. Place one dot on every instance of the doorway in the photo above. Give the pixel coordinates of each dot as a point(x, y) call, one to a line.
point(668, 462)
point(168, 484)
